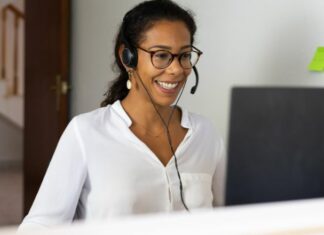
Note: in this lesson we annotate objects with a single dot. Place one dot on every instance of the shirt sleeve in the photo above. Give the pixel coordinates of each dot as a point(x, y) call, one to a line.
point(59, 193)
point(219, 177)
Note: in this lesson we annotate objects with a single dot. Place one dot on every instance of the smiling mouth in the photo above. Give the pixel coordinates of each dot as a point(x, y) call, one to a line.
point(167, 85)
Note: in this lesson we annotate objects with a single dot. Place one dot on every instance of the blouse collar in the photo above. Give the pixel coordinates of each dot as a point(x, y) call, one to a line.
point(117, 106)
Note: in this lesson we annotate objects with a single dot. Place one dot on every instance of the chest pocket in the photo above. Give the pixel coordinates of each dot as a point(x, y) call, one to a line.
point(197, 189)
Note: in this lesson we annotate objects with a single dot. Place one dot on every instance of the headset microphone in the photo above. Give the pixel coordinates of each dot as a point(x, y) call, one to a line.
point(194, 88)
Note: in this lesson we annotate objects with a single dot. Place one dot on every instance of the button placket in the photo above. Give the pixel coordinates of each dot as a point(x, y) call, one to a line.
point(169, 192)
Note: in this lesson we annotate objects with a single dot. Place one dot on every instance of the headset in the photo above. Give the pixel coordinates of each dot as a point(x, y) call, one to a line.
point(130, 59)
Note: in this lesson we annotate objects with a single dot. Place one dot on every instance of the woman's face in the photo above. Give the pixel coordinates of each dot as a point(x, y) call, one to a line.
point(165, 84)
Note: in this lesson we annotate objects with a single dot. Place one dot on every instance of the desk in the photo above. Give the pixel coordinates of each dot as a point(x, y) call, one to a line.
point(294, 217)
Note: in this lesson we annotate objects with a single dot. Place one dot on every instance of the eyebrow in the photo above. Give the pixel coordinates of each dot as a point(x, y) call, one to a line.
point(167, 47)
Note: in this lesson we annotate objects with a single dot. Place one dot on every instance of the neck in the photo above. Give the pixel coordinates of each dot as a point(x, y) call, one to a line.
point(144, 114)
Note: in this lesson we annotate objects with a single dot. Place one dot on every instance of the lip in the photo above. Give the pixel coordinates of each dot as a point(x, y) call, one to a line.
point(167, 91)
point(172, 81)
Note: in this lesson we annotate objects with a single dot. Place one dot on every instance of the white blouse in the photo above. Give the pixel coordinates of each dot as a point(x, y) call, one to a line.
point(100, 169)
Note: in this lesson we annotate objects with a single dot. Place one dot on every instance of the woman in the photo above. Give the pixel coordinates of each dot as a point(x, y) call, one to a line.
point(138, 153)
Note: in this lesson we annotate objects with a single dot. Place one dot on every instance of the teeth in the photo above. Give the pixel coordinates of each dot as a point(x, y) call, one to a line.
point(166, 85)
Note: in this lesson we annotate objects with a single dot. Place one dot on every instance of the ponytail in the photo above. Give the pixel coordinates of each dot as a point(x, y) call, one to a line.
point(117, 90)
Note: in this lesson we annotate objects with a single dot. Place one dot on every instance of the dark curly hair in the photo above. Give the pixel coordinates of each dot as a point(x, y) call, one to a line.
point(135, 23)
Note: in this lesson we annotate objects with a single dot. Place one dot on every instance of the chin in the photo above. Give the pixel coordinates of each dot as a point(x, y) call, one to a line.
point(165, 102)
point(166, 97)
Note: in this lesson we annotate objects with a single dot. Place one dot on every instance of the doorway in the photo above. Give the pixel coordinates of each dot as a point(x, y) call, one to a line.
point(45, 94)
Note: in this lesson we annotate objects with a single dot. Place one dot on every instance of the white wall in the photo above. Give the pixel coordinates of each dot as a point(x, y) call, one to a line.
point(245, 43)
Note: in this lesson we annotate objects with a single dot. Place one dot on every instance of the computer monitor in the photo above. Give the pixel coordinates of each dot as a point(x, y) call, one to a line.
point(275, 145)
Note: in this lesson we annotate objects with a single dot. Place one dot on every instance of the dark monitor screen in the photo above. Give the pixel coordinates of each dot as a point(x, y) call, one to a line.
point(275, 145)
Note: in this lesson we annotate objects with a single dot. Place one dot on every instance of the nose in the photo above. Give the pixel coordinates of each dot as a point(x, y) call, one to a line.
point(175, 67)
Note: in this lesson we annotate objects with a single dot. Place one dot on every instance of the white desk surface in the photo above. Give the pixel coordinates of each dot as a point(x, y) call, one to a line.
point(293, 217)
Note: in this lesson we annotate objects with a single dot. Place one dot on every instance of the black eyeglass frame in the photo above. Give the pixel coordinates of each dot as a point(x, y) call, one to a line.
point(193, 49)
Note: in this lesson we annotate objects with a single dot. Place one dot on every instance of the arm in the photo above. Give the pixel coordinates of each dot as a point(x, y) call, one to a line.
point(59, 193)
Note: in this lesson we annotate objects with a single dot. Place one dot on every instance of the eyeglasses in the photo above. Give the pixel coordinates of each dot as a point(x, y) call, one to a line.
point(161, 59)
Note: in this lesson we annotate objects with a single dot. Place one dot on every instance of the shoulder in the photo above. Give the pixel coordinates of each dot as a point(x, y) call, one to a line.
point(202, 123)
point(94, 118)
point(204, 129)
point(95, 115)
point(84, 122)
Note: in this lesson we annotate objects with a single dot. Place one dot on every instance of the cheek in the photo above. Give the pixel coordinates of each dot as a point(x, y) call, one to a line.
point(187, 72)
point(149, 74)
point(147, 71)
point(145, 67)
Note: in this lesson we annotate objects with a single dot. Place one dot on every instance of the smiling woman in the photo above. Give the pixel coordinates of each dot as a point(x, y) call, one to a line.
point(140, 152)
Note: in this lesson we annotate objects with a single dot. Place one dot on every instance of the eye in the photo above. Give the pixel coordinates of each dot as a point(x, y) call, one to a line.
point(162, 55)
point(186, 55)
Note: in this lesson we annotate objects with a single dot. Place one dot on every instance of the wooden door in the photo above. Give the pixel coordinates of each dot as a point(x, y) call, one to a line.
point(46, 96)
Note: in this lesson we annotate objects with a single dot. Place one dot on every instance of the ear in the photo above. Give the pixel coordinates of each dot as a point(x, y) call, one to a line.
point(120, 54)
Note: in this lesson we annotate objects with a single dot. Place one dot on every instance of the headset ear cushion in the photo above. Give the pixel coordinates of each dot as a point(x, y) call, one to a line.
point(129, 57)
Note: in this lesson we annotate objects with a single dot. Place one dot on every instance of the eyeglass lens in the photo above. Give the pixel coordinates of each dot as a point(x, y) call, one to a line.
point(162, 59)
